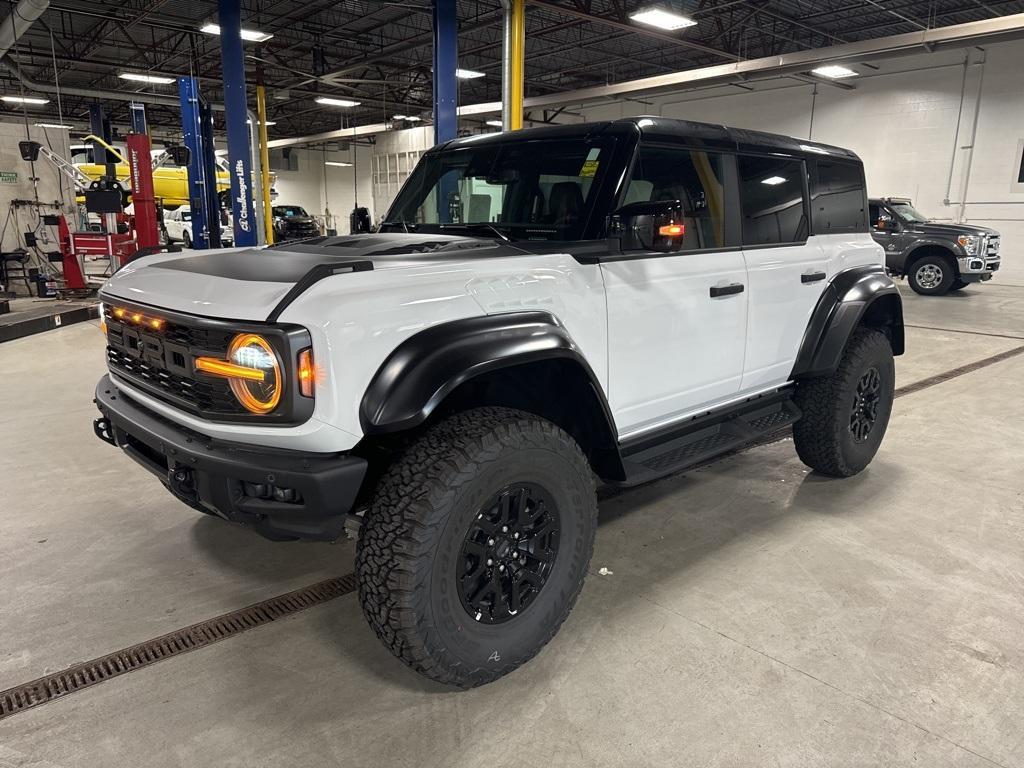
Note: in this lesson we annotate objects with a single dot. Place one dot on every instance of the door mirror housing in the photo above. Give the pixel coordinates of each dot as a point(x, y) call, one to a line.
point(649, 226)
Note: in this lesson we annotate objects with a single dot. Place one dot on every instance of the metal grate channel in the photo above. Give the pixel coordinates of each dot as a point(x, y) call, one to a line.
point(931, 381)
point(89, 673)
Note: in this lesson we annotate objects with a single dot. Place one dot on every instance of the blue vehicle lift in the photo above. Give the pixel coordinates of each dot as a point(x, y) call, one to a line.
point(197, 125)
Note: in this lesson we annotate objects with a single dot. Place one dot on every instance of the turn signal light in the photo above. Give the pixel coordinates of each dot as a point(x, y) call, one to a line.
point(307, 373)
point(672, 230)
point(217, 367)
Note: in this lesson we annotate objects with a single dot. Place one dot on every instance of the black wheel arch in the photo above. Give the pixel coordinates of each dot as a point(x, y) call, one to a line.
point(931, 248)
point(860, 296)
point(524, 360)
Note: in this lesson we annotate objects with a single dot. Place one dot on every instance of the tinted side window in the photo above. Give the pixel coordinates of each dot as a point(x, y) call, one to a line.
point(690, 176)
point(839, 198)
point(773, 198)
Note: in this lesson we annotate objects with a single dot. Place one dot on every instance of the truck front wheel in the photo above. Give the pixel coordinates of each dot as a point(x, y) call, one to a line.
point(931, 275)
point(476, 543)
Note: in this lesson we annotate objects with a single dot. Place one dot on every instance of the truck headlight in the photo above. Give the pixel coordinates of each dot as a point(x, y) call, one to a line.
point(969, 243)
point(251, 351)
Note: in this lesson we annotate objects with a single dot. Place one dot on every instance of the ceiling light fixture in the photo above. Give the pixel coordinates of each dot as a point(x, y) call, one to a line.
point(144, 78)
point(330, 102)
point(772, 181)
point(468, 74)
point(54, 125)
point(662, 19)
point(338, 163)
point(252, 35)
point(834, 71)
point(24, 100)
point(496, 123)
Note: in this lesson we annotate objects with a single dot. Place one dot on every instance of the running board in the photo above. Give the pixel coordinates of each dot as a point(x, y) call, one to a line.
point(650, 457)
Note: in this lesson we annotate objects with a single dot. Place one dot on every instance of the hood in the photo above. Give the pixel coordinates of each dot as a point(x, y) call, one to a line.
point(951, 231)
point(250, 283)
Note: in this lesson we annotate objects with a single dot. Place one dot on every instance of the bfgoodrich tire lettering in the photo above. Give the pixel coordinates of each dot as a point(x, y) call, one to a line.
point(413, 536)
point(845, 415)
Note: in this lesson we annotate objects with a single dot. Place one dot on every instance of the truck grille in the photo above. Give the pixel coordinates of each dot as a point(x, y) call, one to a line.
point(160, 362)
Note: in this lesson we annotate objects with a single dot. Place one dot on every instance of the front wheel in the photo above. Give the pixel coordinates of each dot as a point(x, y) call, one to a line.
point(476, 543)
point(931, 275)
point(186, 238)
point(845, 415)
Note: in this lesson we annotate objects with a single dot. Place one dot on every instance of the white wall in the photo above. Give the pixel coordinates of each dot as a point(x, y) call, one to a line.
point(323, 189)
point(903, 121)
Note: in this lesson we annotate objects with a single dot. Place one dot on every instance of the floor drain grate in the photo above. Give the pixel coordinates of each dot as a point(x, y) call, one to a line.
point(181, 641)
point(931, 381)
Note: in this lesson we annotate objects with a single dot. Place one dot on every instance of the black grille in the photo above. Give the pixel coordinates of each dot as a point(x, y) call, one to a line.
point(212, 396)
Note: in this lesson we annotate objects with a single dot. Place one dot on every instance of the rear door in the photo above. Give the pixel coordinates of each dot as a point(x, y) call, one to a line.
point(677, 321)
point(787, 270)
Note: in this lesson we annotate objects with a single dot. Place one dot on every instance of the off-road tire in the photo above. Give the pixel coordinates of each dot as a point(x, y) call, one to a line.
point(931, 264)
point(411, 537)
point(958, 285)
point(823, 435)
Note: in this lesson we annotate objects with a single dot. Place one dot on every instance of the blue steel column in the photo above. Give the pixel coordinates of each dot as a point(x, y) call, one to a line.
point(236, 114)
point(446, 56)
point(202, 181)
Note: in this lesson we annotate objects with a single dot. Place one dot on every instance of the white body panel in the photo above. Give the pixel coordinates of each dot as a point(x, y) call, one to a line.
point(672, 347)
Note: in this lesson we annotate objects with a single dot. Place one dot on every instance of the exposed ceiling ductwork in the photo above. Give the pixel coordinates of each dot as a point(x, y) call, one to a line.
point(22, 16)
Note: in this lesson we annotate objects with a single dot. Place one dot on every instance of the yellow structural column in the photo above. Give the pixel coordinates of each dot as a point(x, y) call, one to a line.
point(518, 63)
point(261, 116)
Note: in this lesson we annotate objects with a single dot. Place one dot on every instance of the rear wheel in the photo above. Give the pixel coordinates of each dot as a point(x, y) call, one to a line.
point(476, 543)
point(931, 275)
point(186, 238)
point(845, 415)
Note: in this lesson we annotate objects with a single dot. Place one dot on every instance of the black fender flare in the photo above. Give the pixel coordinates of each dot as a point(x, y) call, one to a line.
point(932, 244)
point(854, 295)
point(428, 366)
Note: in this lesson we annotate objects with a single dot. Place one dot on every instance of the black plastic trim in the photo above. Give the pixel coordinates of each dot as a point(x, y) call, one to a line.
point(315, 275)
point(417, 376)
point(842, 305)
point(328, 483)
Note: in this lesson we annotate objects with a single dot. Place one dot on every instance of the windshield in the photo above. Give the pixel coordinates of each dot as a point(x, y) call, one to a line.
point(535, 190)
point(907, 212)
point(287, 211)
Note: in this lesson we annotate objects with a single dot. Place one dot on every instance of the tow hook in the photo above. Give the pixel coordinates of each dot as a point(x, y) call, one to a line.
point(182, 482)
point(104, 431)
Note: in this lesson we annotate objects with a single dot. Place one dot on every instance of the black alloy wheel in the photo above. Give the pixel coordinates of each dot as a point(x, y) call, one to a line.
point(508, 553)
point(864, 412)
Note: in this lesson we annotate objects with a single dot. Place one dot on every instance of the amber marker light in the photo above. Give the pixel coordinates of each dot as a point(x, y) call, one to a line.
point(118, 312)
point(306, 373)
point(216, 367)
point(672, 230)
point(156, 323)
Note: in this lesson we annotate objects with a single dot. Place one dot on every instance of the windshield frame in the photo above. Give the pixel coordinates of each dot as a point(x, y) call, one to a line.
point(616, 150)
point(275, 208)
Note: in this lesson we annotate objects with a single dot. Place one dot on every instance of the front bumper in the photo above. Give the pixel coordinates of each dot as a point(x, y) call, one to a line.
point(282, 494)
point(975, 268)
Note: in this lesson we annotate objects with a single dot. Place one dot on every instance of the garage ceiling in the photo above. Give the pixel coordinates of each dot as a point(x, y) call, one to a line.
point(379, 53)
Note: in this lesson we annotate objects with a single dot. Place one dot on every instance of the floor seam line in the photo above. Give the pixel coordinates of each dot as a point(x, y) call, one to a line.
point(968, 333)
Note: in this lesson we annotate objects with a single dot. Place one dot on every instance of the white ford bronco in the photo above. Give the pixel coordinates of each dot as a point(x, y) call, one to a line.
point(541, 311)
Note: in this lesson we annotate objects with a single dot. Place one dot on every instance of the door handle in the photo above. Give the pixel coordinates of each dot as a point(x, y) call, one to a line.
point(726, 290)
point(812, 277)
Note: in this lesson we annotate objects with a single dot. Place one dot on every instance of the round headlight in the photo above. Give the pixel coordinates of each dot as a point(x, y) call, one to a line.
point(259, 395)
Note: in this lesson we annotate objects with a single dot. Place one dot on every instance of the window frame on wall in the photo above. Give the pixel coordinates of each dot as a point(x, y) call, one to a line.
point(804, 190)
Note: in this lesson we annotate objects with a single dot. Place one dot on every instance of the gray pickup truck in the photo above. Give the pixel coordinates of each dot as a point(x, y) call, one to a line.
point(935, 258)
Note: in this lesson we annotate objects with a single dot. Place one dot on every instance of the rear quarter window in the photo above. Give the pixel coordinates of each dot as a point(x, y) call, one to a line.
point(838, 197)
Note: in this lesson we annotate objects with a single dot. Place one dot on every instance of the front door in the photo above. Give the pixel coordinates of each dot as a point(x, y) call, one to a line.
point(676, 321)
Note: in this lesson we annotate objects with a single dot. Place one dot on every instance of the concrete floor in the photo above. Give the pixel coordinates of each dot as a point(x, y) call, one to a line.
point(755, 614)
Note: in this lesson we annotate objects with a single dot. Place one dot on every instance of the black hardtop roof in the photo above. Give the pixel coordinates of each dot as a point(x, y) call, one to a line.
point(710, 135)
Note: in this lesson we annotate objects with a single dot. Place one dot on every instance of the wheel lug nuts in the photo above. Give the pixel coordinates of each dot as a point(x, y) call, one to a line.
point(504, 529)
point(501, 567)
point(490, 561)
point(515, 535)
point(490, 542)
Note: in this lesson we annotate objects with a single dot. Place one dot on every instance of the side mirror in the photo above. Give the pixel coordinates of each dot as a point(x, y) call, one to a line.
point(649, 226)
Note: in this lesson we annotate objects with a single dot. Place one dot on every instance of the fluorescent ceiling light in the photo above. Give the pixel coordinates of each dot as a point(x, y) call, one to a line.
point(54, 125)
point(662, 19)
point(338, 163)
point(143, 78)
point(251, 35)
point(496, 123)
point(468, 74)
point(268, 123)
point(327, 100)
point(834, 71)
point(24, 100)
point(412, 119)
point(398, 117)
point(772, 181)
point(73, 147)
